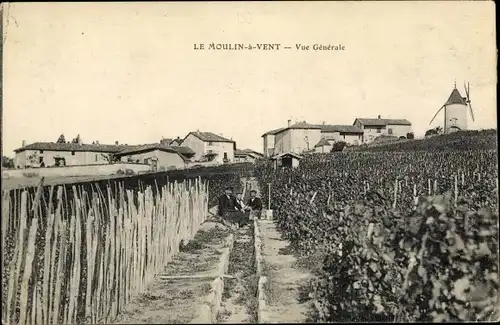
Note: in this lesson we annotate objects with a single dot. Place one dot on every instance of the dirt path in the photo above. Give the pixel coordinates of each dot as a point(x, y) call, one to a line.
point(239, 302)
point(284, 278)
point(170, 300)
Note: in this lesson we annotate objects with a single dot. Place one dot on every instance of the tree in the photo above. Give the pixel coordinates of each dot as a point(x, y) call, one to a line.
point(338, 146)
point(410, 135)
point(435, 131)
point(77, 139)
point(61, 139)
point(7, 162)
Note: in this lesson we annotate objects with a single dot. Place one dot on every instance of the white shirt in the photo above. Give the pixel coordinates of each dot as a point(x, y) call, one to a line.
point(240, 202)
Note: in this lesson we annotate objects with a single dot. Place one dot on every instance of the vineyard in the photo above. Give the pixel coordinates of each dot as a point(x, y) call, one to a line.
point(79, 253)
point(393, 236)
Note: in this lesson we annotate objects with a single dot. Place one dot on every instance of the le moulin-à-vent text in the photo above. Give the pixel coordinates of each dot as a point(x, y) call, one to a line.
point(268, 47)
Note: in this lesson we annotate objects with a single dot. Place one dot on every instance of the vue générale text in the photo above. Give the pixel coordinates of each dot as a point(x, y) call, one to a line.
point(268, 47)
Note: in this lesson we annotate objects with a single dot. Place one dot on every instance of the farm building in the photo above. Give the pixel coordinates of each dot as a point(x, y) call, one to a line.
point(246, 155)
point(287, 159)
point(48, 154)
point(209, 146)
point(374, 127)
point(159, 157)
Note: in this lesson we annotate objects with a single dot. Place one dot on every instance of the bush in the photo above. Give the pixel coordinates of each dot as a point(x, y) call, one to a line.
point(410, 135)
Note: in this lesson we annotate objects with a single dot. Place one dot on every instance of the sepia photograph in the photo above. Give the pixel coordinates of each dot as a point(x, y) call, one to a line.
point(249, 162)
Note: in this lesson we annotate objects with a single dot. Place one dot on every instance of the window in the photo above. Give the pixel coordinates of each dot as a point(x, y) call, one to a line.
point(96, 157)
point(389, 131)
point(210, 143)
point(41, 151)
point(225, 155)
point(343, 136)
point(379, 130)
point(72, 153)
point(146, 161)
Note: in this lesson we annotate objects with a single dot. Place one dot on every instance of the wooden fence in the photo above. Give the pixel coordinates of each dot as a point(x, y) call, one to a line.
point(80, 260)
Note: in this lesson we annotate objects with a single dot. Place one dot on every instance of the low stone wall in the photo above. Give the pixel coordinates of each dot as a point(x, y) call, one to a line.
point(261, 294)
point(212, 303)
point(87, 170)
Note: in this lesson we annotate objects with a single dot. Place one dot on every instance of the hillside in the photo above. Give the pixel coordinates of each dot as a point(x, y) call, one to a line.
point(462, 140)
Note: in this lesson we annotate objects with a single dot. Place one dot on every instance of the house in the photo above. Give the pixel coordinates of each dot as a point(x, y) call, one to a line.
point(209, 146)
point(303, 137)
point(323, 146)
point(347, 133)
point(246, 155)
point(287, 159)
point(268, 139)
point(48, 154)
point(160, 157)
point(296, 138)
point(374, 127)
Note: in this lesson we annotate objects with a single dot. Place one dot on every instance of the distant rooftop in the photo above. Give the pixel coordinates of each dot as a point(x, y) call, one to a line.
point(209, 136)
point(382, 121)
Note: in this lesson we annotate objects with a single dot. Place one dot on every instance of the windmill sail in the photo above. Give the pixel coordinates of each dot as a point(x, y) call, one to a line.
point(439, 110)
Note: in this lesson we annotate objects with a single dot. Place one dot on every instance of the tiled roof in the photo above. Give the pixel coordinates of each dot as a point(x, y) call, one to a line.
point(323, 142)
point(52, 146)
point(287, 154)
point(273, 132)
point(455, 98)
point(186, 151)
point(382, 121)
point(303, 125)
point(247, 152)
point(209, 136)
point(297, 126)
point(341, 128)
point(149, 147)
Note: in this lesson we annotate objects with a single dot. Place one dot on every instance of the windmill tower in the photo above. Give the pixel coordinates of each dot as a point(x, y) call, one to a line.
point(455, 111)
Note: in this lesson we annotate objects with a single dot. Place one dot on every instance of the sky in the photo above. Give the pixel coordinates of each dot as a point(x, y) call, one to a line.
point(129, 72)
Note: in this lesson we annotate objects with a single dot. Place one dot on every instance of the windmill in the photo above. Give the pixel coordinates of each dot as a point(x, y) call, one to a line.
point(455, 110)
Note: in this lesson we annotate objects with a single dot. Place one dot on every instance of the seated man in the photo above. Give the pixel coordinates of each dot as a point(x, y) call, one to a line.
point(228, 206)
point(241, 206)
point(254, 204)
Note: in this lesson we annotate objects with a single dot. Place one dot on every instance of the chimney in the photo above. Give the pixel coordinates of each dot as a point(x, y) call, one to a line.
point(289, 123)
point(324, 122)
point(379, 117)
point(24, 143)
